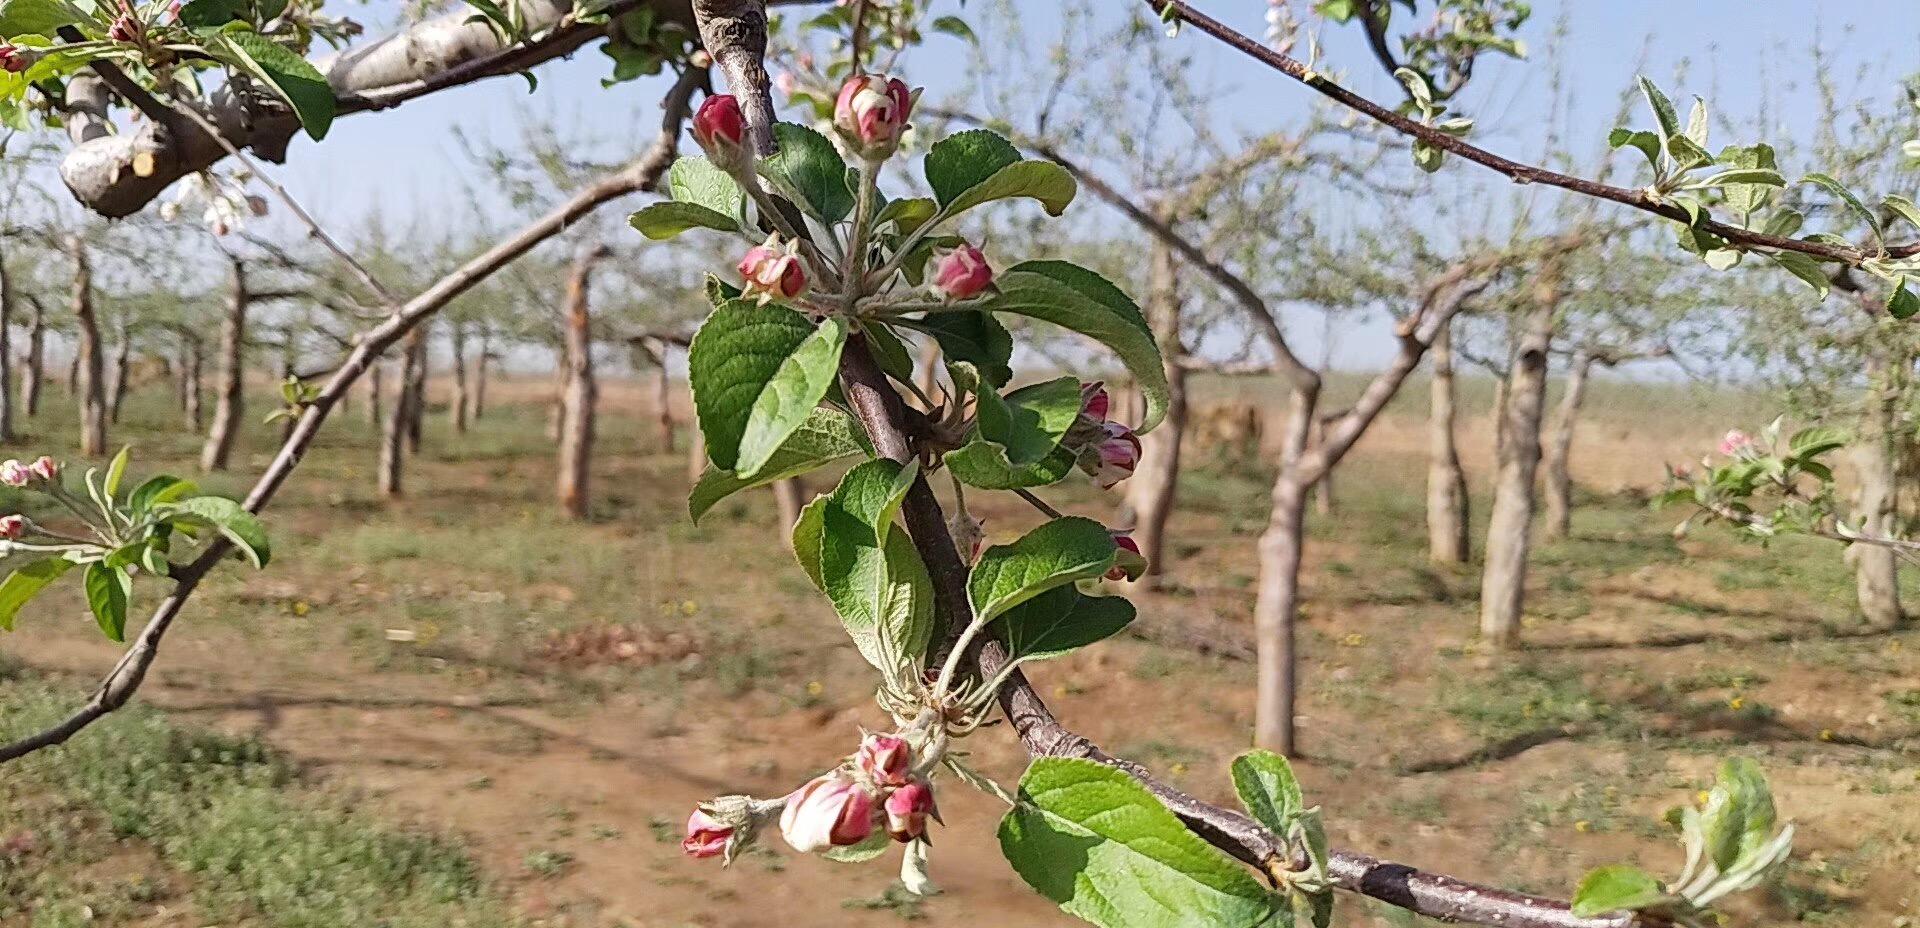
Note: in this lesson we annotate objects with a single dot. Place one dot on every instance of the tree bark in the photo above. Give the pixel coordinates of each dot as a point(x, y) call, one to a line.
point(1876, 568)
point(696, 453)
point(33, 373)
point(578, 391)
point(1447, 502)
point(230, 396)
point(91, 388)
point(376, 373)
point(663, 402)
point(1324, 502)
point(393, 439)
point(1276, 606)
point(414, 387)
point(190, 373)
point(791, 496)
point(117, 375)
point(1152, 488)
point(1560, 448)
point(1509, 533)
point(457, 407)
point(6, 351)
point(481, 365)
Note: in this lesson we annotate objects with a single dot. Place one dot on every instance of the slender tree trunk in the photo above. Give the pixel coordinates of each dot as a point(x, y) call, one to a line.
point(6, 352)
point(415, 386)
point(578, 391)
point(696, 453)
point(791, 496)
point(73, 372)
point(190, 373)
point(376, 373)
point(457, 407)
point(230, 396)
point(1560, 448)
point(663, 402)
point(1446, 481)
point(1324, 501)
point(1876, 568)
point(481, 366)
point(1276, 605)
point(393, 440)
point(1151, 489)
point(93, 403)
point(1510, 531)
point(33, 372)
point(117, 375)
point(289, 372)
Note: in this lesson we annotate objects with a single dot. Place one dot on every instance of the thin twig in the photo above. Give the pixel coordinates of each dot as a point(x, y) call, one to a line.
point(1038, 503)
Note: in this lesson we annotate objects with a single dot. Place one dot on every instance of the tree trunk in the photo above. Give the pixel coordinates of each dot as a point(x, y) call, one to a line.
point(696, 453)
point(791, 496)
point(663, 402)
point(6, 352)
point(1324, 503)
point(414, 387)
point(393, 439)
point(230, 397)
point(1277, 603)
point(117, 375)
point(1509, 533)
point(33, 374)
point(478, 396)
point(1876, 568)
point(73, 373)
point(1151, 489)
point(457, 407)
point(1447, 540)
point(376, 373)
point(93, 402)
point(1560, 448)
point(578, 391)
point(190, 372)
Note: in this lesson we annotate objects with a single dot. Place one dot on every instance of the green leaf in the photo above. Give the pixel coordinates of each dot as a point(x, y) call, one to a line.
point(1062, 620)
point(229, 519)
point(976, 338)
point(1739, 816)
point(1621, 887)
point(34, 17)
point(1697, 123)
point(1646, 142)
point(1744, 198)
point(1017, 439)
point(956, 27)
point(696, 181)
point(757, 372)
point(107, 591)
point(868, 568)
point(1686, 154)
point(1805, 268)
point(158, 490)
point(888, 351)
point(962, 160)
point(981, 463)
point(807, 170)
point(907, 214)
point(202, 14)
point(294, 76)
point(1042, 181)
point(1904, 208)
point(661, 221)
point(1268, 789)
point(1092, 839)
point(1839, 190)
point(827, 435)
point(116, 472)
point(1815, 441)
point(1076, 298)
point(25, 583)
point(1057, 553)
point(1901, 303)
point(1664, 114)
point(719, 292)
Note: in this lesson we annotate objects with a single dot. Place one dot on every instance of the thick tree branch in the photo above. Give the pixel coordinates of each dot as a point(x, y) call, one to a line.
point(735, 34)
point(127, 675)
point(1514, 170)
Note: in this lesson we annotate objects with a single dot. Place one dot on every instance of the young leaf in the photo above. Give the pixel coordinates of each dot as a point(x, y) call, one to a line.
point(1092, 839)
point(1616, 888)
point(295, 77)
point(1057, 553)
point(107, 591)
point(1901, 303)
point(211, 13)
point(976, 338)
point(757, 372)
point(662, 221)
point(826, 436)
point(1664, 114)
point(977, 166)
point(229, 519)
point(25, 583)
point(696, 181)
point(1017, 442)
point(868, 568)
point(116, 471)
point(1904, 208)
point(1062, 620)
point(1076, 298)
point(956, 27)
point(35, 17)
point(1840, 191)
point(807, 170)
point(1268, 789)
point(1646, 142)
point(1805, 268)
point(157, 490)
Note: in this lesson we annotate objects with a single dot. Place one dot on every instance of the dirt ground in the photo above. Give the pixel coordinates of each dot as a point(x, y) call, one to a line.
point(558, 696)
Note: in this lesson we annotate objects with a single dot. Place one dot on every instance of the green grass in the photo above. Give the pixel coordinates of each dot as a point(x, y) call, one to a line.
point(256, 843)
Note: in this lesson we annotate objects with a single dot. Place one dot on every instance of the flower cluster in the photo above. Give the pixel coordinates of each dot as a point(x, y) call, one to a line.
point(1108, 450)
point(15, 474)
point(871, 114)
point(1738, 444)
point(879, 787)
point(773, 271)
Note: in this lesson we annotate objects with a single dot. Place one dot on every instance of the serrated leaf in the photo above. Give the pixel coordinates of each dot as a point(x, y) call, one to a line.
point(157, 490)
point(1816, 440)
point(1621, 887)
point(1645, 142)
point(1060, 621)
point(108, 589)
point(1268, 789)
point(1058, 552)
point(25, 583)
point(1076, 298)
point(34, 17)
point(867, 567)
point(976, 338)
point(695, 180)
point(757, 372)
point(295, 77)
point(808, 170)
point(230, 519)
point(662, 221)
point(826, 436)
point(1697, 123)
point(1092, 839)
point(963, 160)
point(907, 213)
point(1664, 115)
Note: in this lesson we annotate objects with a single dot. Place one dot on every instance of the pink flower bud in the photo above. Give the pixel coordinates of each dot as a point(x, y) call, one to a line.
point(871, 113)
point(786, 83)
point(885, 759)
point(12, 527)
point(125, 29)
point(706, 835)
point(1129, 563)
point(1094, 402)
point(830, 811)
point(15, 474)
point(772, 272)
point(44, 468)
point(961, 273)
point(721, 129)
point(1737, 444)
point(908, 809)
point(1113, 457)
point(14, 59)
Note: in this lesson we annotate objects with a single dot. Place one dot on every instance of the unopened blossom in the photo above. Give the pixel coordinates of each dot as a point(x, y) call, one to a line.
point(884, 759)
point(908, 808)
point(871, 113)
point(1737, 444)
point(1112, 457)
point(830, 811)
point(44, 467)
point(15, 474)
point(1128, 562)
point(125, 28)
point(969, 534)
point(773, 272)
point(721, 129)
point(961, 273)
point(706, 835)
point(12, 527)
point(1094, 402)
point(14, 59)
